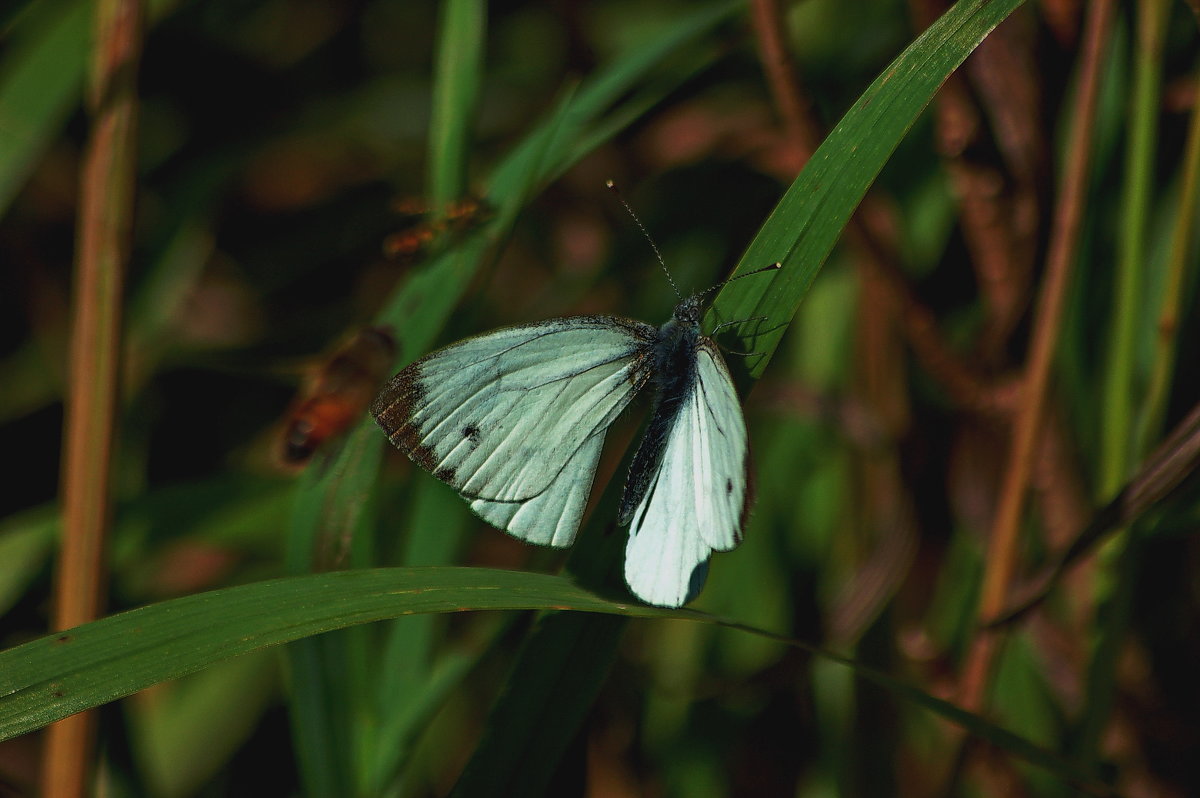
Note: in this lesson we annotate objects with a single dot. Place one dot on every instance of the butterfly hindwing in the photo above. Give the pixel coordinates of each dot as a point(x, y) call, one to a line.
point(696, 498)
point(552, 517)
point(514, 420)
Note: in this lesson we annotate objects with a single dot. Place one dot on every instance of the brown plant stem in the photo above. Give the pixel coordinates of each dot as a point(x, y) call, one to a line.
point(1001, 559)
point(102, 250)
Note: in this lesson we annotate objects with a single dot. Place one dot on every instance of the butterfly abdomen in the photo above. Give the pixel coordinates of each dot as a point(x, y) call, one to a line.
point(673, 377)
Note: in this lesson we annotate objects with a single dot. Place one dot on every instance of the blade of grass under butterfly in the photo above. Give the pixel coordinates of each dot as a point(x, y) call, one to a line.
point(411, 683)
point(98, 662)
point(403, 687)
point(334, 717)
point(54, 676)
point(324, 516)
point(800, 233)
point(419, 310)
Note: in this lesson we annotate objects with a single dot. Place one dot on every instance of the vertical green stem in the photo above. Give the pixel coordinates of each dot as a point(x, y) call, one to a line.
point(1117, 439)
point(455, 92)
point(1127, 300)
point(1162, 367)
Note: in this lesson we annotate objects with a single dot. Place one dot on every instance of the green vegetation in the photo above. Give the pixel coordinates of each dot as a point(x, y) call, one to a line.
point(977, 349)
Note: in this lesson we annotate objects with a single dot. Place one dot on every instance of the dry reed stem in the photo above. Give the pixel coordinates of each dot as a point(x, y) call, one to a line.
point(102, 249)
point(1003, 546)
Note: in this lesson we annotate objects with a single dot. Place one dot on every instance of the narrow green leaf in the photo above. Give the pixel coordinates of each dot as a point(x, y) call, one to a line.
point(60, 674)
point(57, 675)
point(806, 224)
point(41, 81)
point(455, 96)
point(39, 85)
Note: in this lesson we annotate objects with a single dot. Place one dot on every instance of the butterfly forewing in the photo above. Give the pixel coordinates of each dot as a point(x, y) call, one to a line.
point(514, 419)
point(696, 499)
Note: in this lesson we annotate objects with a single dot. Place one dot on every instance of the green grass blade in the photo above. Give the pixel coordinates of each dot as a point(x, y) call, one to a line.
point(560, 657)
point(41, 80)
point(26, 542)
point(65, 673)
point(410, 683)
point(57, 675)
point(455, 96)
point(39, 85)
point(329, 507)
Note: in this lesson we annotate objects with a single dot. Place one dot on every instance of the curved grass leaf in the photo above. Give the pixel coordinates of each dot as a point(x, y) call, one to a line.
point(57, 675)
point(64, 673)
point(329, 501)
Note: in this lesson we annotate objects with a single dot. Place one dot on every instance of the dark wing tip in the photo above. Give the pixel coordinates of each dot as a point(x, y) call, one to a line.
point(393, 412)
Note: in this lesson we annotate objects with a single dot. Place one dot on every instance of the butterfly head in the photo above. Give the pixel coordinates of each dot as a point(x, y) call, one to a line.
point(689, 310)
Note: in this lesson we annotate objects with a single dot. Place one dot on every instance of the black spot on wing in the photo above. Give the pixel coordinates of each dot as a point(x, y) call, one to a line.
point(747, 495)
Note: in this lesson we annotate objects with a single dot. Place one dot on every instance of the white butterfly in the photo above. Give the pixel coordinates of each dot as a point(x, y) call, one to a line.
point(514, 421)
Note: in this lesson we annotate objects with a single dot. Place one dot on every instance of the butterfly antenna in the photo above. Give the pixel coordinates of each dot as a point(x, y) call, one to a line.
point(613, 188)
point(773, 267)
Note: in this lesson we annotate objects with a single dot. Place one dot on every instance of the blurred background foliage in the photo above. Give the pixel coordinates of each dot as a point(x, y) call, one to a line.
point(287, 185)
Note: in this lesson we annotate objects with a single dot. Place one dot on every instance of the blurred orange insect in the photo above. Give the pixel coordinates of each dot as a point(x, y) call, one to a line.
point(426, 226)
point(337, 394)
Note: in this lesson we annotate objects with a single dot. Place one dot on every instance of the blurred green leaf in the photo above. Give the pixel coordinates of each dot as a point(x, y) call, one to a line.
point(26, 541)
point(40, 83)
point(183, 731)
point(460, 52)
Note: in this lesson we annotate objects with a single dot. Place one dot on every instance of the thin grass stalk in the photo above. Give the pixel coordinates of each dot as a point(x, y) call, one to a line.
point(459, 67)
point(1121, 555)
point(1166, 343)
point(1117, 424)
point(1002, 554)
point(103, 244)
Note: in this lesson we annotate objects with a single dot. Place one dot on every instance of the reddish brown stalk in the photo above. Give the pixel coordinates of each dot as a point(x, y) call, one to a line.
point(1005, 76)
point(105, 220)
point(799, 122)
point(1003, 547)
point(1062, 17)
point(998, 202)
